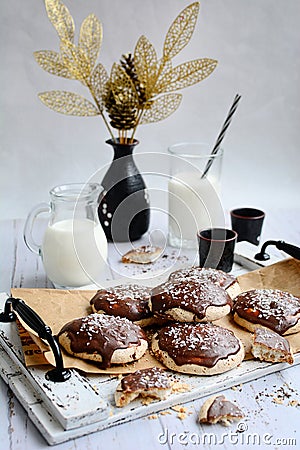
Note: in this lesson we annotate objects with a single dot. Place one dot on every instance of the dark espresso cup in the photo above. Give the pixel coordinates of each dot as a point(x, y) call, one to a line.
point(247, 222)
point(216, 248)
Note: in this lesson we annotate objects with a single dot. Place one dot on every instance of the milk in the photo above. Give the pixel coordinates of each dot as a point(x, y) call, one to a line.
point(74, 252)
point(194, 204)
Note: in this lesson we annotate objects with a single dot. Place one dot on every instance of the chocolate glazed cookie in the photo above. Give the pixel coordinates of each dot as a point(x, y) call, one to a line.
point(104, 339)
point(270, 308)
point(190, 301)
point(195, 273)
point(200, 349)
point(130, 301)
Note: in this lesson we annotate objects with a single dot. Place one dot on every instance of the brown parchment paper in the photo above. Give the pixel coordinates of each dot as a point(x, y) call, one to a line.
point(57, 307)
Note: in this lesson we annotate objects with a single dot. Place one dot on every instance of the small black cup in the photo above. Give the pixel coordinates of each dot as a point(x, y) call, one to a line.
point(216, 248)
point(247, 222)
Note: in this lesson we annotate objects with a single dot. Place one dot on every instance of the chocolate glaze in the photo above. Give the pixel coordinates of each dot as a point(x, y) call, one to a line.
point(222, 408)
point(146, 379)
point(130, 301)
point(215, 276)
point(101, 334)
point(203, 344)
point(271, 339)
point(189, 295)
point(268, 307)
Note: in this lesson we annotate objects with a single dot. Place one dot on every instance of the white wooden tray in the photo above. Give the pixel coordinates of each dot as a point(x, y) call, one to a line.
point(85, 403)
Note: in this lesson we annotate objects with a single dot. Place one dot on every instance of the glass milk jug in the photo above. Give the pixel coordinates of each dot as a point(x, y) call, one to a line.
point(74, 246)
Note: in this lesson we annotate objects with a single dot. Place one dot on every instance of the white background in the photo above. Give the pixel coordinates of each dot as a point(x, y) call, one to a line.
point(257, 45)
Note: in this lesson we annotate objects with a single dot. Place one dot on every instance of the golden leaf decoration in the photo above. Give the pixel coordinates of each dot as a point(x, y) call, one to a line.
point(139, 89)
point(145, 62)
point(90, 38)
point(98, 84)
point(181, 30)
point(61, 19)
point(52, 63)
point(75, 60)
point(68, 103)
point(161, 108)
point(164, 75)
point(187, 74)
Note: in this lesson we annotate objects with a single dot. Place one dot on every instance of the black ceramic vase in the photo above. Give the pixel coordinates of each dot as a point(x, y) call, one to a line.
point(124, 210)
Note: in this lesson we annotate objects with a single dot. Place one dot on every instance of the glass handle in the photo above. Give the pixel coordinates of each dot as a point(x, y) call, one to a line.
point(28, 227)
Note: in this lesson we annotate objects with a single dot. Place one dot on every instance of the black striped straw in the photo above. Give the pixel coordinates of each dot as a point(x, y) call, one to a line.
point(222, 133)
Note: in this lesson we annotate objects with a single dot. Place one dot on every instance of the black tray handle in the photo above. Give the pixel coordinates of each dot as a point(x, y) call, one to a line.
point(290, 249)
point(33, 320)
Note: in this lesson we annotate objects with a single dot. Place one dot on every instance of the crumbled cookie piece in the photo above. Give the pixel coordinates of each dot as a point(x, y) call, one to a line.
point(147, 383)
point(270, 346)
point(145, 254)
point(218, 409)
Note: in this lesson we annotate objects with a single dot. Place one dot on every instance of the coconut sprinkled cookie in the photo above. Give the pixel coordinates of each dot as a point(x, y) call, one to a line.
point(215, 276)
point(270, 346)
point(218, 409)
point(130, 301)
point(190, 301)
point(200, 349)
point(154, 382)
point(270, 308)
point(104, 339)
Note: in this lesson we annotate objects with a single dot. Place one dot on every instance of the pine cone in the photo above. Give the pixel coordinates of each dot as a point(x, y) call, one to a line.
point(122, 115)
point(127, 62)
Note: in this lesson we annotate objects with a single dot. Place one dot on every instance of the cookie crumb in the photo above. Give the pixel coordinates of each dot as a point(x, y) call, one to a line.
point(277, 400)
point(164, 413)
point(293, 403)
point(179, 408)
point(153, 416)
point(180, 387)
point(182, 411)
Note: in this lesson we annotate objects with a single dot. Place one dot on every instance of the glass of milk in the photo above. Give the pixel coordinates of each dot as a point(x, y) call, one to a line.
point(193, 198)
point(74, 246)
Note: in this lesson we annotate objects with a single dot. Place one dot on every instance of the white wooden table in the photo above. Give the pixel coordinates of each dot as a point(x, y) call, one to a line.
point(272, 416)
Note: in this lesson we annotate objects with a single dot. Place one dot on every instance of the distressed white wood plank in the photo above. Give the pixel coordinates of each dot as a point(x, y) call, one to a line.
point(4, 415)
point(73, 403)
